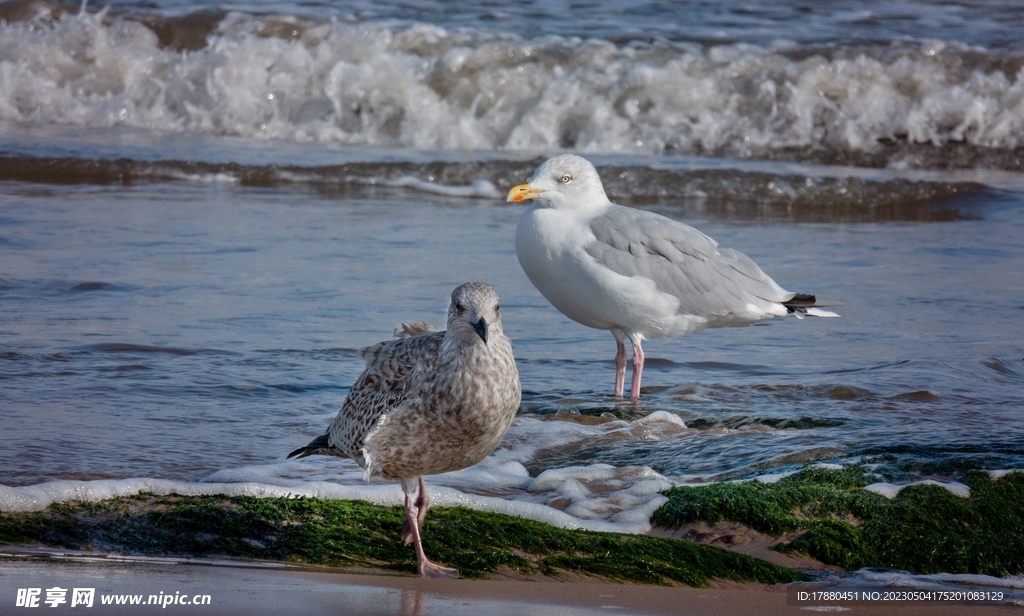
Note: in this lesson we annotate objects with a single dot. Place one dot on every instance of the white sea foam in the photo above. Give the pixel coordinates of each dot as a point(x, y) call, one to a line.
point(937, 580)
point(594, 497)
point(828, 466)
point(206, 178)
point(479, 188)
point(424, 87)
point(890, 490)
point(774, 477)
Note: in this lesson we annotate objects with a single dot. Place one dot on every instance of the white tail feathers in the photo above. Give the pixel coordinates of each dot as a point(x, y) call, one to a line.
point(818, 312)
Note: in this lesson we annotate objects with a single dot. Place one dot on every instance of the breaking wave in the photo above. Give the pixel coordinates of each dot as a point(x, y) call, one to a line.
point(905, 105)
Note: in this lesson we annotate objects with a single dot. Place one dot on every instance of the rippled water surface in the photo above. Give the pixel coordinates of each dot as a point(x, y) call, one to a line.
point(173, 329)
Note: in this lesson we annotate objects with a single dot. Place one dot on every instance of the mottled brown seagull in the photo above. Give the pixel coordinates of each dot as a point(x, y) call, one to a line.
point(635, 273)
point(429, 403)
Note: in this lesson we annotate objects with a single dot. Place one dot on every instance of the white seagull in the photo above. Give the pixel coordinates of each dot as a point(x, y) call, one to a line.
point(635, 273)
point(427, 403)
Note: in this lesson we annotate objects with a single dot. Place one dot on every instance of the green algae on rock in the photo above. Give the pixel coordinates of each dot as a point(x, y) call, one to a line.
point(924, 529)
point(355, 534)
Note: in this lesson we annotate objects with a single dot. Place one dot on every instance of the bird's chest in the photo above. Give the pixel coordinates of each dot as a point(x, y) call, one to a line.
point(551, 246)
point(470, 414)
point(469, 396)
point(548, 244)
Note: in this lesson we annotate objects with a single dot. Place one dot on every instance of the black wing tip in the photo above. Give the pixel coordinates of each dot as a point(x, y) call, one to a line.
point(316, 444)
point(800, 301)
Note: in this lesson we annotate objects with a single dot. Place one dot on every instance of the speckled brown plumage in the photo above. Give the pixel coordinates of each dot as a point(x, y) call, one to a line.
point(429, 403)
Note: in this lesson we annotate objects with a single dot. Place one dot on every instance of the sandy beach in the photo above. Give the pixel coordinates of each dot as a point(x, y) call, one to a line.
point(271, 588)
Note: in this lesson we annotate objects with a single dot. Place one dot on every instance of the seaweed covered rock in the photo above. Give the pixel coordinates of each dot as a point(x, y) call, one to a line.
point(924, 529)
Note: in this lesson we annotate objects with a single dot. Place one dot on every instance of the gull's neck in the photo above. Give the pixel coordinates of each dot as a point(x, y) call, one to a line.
point(585, 203)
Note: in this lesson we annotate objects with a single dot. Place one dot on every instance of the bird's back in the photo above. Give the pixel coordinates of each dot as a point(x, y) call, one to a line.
point(622, 268)
point(719, 284)
point(391, 369)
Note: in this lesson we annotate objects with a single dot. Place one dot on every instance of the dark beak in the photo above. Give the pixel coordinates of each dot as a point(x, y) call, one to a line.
point(480, 327)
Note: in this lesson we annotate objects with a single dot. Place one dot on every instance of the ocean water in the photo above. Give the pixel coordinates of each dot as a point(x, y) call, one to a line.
point(206, 212)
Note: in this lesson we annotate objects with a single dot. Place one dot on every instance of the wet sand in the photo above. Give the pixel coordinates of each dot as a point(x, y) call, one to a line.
point(739, 538)
point(277, 589)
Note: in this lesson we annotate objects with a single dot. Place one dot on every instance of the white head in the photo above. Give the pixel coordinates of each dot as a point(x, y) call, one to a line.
point(566, 181)
point(474, 315)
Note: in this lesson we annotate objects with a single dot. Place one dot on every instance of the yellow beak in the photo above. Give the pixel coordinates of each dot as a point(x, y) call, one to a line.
point(522, 192)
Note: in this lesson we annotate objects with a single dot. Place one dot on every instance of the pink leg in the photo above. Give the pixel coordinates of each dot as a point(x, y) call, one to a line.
point(412, 525)
point(620, 367)
point(408, 536)
point(638, 369)
point(422, 503)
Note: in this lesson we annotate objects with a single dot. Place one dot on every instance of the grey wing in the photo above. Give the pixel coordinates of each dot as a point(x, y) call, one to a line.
point(682, 262)
point(384, 384)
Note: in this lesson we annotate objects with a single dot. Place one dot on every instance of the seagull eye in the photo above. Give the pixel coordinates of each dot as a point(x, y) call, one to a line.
point(460, 308)
point(566, 178)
